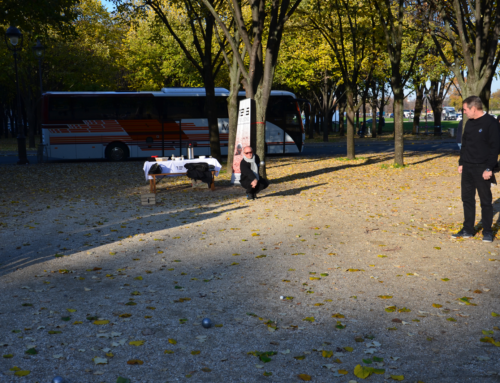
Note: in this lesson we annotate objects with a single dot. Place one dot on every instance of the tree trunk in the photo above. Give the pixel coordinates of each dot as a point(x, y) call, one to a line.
point(2, 121)
point(350, 125)
point(260, 121)
point(307, 114)
point(437, 111)
point(32, 130)
point(357, 120)
point(25, 118)
point(232, 103)
point(342, 119)
point(364, 113)
point(419, 105)
point(326, 115)
point(398, 125)
point(312, 122)
point(485, 95)
point(12, 126)
point(382, 107)
point(211, 113)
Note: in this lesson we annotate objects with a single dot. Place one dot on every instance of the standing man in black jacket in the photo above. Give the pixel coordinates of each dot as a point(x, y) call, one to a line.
point(250, 178)
point(478, 157)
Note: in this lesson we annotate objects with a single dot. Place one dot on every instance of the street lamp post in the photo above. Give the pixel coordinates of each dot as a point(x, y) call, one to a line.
point(39, 49)
point(14, 41)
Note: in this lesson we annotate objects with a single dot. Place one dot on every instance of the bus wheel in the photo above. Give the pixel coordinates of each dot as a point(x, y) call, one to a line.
point(116, 151)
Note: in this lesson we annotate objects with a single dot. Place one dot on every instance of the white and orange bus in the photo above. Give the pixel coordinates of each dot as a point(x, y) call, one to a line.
point(121, 125)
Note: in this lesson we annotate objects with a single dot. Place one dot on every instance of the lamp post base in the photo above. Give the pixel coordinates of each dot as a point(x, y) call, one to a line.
point(21, 150)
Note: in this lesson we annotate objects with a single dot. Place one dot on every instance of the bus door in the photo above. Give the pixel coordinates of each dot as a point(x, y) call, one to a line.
point(94, 116)
point(56, 128)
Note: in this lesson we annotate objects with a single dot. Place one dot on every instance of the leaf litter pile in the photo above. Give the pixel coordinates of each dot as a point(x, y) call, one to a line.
point(340, 271)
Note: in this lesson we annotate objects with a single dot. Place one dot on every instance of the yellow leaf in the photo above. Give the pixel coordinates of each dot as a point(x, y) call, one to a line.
point(397, 377)
point(135, 361)
point(195, 352)
point(436, 305)
point(168, 352)
point(385, 296)
point(362, 372)
point(338, 316)
point(494, 314)
point(125, 315)
point(327, 354)
point(349, 349)
point(136, 342)
point(305, 377)
point(78, 322)
point(172, 341)
point(101, 322)
point(343, 372)
point(71, 310)
point(139, 278)
point(22, 373)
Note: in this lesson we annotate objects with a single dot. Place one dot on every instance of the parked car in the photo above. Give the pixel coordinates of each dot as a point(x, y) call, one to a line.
point(459, 117)
point(391, 115)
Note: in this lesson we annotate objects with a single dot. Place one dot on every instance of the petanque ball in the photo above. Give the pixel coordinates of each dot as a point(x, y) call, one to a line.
point(58, 379)
point(206, 322)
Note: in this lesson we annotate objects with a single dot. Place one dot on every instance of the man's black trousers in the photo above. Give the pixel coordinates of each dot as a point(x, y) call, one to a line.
point(472, 180)
point(262, 183)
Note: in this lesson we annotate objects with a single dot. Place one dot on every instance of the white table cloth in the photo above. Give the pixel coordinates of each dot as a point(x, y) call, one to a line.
point(178, 166)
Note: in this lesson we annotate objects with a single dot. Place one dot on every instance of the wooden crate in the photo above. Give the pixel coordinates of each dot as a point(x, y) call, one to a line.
point(148, 199)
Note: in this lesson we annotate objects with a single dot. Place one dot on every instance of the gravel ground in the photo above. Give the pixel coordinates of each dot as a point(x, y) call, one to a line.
point(338, 264)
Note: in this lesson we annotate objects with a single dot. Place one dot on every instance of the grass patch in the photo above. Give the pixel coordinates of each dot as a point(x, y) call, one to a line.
point(388, 132)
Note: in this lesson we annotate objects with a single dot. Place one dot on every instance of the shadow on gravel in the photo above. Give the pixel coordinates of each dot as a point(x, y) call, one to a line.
point(430, 159)
point(294, 191)
point(105, 233)
point(321, 171)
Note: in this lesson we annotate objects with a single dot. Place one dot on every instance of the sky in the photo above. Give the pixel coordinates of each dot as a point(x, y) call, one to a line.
point(495, 85)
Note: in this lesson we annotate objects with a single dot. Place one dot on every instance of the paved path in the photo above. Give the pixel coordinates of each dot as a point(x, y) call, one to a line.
point(316, 149)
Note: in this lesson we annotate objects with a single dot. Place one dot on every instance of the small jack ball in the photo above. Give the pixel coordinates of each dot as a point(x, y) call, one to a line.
point(206, 322)
point(58, 379)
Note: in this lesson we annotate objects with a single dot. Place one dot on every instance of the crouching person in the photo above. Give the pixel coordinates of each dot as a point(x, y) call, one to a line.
point(250, 178)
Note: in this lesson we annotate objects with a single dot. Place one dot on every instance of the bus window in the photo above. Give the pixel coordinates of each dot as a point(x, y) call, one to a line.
point(137, 108)
point(59, 108)
point(182, 108)
point(94, 108)
point(292, 119)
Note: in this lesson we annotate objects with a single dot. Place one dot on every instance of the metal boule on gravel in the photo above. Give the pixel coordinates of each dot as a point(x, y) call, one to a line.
point(58, 379)
point(206, 322)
